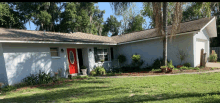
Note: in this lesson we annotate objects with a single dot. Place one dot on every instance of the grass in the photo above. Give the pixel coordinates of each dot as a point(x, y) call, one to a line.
point(171, 89)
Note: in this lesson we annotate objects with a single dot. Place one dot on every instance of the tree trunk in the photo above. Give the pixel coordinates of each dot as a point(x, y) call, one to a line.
point(165, 33)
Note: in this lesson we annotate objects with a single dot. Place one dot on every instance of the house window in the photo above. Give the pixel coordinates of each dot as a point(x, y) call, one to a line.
point(101, 54)
point(54, 51)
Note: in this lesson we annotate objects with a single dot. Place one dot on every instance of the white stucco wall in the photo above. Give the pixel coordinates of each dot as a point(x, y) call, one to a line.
point(23, 59)
point(3, 74)
point(202, 35)
point(153, 49)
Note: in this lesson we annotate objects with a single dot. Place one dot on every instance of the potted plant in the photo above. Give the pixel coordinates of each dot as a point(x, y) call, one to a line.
point(102, 60)
point(182, 56)
point(83, 69)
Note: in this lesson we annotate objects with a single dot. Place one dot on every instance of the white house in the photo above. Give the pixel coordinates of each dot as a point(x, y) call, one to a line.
point(24, 52)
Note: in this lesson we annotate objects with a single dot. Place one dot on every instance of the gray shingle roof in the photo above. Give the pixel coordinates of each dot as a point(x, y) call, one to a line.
point(29, 35)
point(184, 27)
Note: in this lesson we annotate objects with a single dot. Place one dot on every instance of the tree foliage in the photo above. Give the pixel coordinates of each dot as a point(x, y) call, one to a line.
point(82, 17)
point(135, 24)
point(43, 14)
point(111, 25)
point(10, 18)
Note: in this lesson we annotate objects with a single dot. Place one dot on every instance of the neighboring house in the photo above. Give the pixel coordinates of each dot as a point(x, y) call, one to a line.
point(24, 52)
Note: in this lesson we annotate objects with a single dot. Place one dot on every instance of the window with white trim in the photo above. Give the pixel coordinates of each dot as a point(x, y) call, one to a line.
point(101, 54)
point(54, 51)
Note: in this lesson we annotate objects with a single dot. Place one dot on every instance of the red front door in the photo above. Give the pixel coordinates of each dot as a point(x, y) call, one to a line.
point(71, 53)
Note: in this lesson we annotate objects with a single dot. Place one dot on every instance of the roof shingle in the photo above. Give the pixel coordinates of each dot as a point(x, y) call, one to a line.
point(30, 35)
point(184, 27)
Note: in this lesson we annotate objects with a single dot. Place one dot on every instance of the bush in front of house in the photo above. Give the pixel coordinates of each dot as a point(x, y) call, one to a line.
point(170, 64)
point(187, 64)
point(93, 72)
point(98, 71)
point(8, 88)
point(213, 57)
point(121, 58)
point(40, 78)
point(158, 63)
point(136, 62)
point(183, 68)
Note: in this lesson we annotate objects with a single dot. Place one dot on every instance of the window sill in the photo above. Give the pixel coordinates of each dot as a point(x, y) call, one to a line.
point(55, 57)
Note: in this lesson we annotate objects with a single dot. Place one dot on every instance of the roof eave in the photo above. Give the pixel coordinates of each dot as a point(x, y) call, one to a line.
point(191, 32)
point(211, 28)
point(51, 42)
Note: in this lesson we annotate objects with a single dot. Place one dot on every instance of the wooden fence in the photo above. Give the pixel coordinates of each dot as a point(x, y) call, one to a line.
point(217, 51)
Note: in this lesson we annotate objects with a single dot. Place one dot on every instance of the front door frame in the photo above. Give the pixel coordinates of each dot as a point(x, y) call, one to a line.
point(76, 58)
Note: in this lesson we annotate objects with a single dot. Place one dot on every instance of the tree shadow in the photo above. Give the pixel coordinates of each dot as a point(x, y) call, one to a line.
point(92, 91)
point(59, 94)
point(164, 96)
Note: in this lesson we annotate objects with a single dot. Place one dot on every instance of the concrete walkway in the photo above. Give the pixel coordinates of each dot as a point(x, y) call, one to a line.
point(211, 71)
point(212, 64)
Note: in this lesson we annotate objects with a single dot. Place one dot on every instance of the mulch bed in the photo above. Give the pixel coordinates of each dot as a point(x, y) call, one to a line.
point(144, 73)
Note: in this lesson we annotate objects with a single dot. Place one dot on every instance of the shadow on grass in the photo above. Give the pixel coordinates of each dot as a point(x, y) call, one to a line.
point(59, 84)
point(64, 94)
point(161, 97)
point(93, 92)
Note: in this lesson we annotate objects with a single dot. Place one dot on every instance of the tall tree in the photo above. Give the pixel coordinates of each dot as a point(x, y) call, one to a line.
point(82, 17)
point(111, 25)
point(10, 18)
point(135, 24)
point(43, 14)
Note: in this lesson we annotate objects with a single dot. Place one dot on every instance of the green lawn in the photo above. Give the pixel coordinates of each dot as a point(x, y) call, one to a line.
point(203, 87)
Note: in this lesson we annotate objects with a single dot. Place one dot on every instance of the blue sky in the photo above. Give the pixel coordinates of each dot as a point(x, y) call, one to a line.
point(102, 6)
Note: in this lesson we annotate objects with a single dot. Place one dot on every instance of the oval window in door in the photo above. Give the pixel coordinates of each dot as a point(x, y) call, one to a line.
point(71, 57)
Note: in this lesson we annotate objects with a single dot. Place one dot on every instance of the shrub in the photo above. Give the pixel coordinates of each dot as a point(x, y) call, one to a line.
point(100, 70)
point(8, 88)
point(93, 72)
point(213, 57)
point(156, 70)
point(40, 78)
point(136, 62)
point(196, 68)
point(191, 68)
point(170, 64)
point(183, 68)
point(128, 68)
point(187, 64)
point(163, 66)
point(121, 58)
point(115, 69)
point(158, 63)
point(136, 58)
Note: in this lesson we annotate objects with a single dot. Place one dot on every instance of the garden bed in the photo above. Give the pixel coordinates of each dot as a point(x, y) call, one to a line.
point(144, 73)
